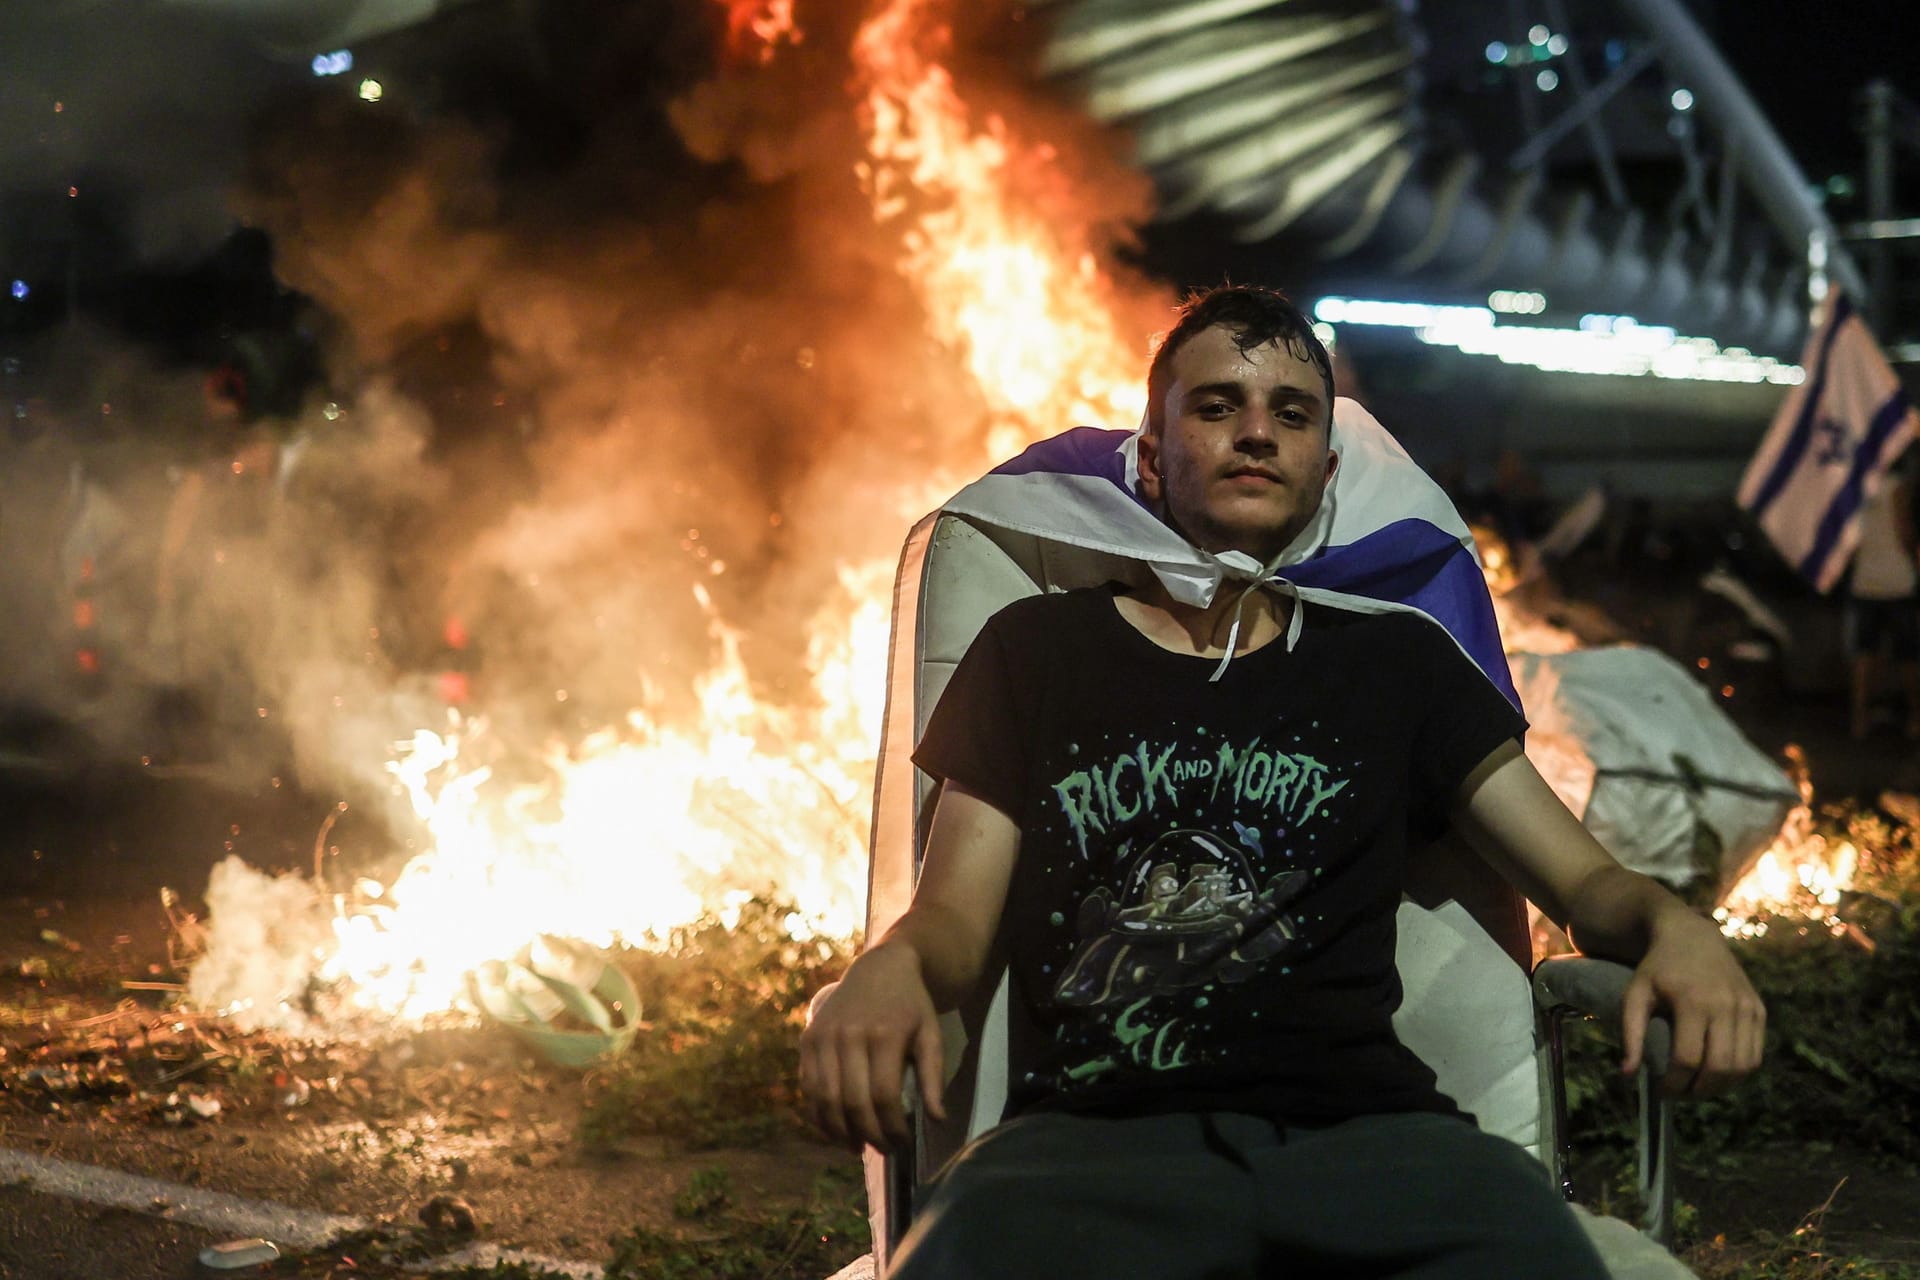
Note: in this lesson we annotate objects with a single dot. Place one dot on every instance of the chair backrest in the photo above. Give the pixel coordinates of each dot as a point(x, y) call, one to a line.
point(1467, 1012)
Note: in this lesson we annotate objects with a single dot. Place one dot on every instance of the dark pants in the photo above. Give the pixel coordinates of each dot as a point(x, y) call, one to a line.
point(1235, 1197)
point(1868, 622)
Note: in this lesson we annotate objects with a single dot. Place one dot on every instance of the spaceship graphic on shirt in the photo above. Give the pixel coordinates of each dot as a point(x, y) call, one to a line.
point(1194, 916)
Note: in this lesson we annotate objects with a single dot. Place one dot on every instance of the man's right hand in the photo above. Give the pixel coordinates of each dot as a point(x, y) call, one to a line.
point(880, 1017)
point(859, 1039)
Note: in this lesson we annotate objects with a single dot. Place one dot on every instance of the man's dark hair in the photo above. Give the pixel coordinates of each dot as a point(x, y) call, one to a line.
point(1255, 316)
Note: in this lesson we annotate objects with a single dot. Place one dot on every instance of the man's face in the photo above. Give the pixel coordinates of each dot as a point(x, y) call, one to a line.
point(1243, 459)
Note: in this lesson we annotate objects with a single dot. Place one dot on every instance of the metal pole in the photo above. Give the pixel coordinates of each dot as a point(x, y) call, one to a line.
point(1886, 229)
point(1878, 127)
point(1817, 247)
point(1581, 115)
point(1777, 182)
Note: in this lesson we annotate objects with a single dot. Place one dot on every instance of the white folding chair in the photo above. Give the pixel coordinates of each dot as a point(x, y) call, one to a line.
point(1469, 1011)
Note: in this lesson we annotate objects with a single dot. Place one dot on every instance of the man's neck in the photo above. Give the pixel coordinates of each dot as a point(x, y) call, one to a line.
point(1202, 631)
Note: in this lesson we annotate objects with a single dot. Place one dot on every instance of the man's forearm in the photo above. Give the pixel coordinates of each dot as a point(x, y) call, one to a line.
point(950, 959)
point(1617, 913)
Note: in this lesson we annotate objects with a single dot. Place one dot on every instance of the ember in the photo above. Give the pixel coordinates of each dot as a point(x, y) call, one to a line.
point(1802, 877)
point(756, 28)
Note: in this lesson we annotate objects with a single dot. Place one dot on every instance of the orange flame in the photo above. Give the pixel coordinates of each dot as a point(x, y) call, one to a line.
point(634, 830)
point(1025, 304)
point(1800, 876)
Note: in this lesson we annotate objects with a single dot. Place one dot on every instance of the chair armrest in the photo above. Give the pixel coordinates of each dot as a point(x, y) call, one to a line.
point(1596, 989)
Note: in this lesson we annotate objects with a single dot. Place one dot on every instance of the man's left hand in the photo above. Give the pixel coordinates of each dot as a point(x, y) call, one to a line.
point(1719, 1023)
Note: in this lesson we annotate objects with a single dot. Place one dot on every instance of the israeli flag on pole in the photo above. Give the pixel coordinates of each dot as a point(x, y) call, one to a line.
point(1829, 446)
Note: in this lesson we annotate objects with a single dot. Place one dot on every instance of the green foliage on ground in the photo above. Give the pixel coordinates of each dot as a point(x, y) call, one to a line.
point(1802, 1260)
point(1843, 1023)
point(706, 1193)
point(803, 1243)
point(717, 1064)
point(1800, 1254)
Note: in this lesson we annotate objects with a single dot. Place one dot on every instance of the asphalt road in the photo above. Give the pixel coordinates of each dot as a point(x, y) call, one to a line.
point(45, 1237)
point(101, 843)
point(125, 832)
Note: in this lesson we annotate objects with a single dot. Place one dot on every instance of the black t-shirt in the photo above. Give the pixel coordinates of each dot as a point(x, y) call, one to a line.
point(1202, 914)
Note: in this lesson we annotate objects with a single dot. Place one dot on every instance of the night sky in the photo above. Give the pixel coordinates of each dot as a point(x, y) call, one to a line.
point(162, 106)
point(1805, 65)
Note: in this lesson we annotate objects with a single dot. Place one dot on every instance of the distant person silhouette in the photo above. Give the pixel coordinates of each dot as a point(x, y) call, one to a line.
point(1882, 615)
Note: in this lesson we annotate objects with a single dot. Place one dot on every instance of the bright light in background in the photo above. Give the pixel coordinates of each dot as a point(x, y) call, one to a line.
point(1538, 34)
point(1399, 315)
point(1547, 80)
point(1496, 52)
point(339, 62)
point(20, 289)
point(1682, 100)
point(1556, 44)
point(1617, 346)
point(371, 91)
point(1518, 303)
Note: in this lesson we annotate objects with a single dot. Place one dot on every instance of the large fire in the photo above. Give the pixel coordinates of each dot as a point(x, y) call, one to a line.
point(747, 783)
point(650, 824)
point(636, 829)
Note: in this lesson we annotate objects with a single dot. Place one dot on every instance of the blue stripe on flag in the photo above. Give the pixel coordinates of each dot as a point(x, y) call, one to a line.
point(1412, 562)
point(1802, 434)
point(1079, 451)
point(1847, 501)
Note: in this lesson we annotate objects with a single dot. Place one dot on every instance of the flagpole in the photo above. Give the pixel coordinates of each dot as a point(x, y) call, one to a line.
point(1817, 283)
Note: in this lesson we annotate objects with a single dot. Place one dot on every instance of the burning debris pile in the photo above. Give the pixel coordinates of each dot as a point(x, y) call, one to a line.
point(721, 1001)
point(1706, 813)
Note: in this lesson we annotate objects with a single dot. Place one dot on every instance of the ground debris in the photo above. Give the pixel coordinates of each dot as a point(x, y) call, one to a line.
point(449, 1214)
point(132, 1061)
point(385, 1249)
point(235, 1254)
point(95, 1070)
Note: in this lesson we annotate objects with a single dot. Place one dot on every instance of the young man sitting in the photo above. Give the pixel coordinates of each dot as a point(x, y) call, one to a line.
point(1195, 822)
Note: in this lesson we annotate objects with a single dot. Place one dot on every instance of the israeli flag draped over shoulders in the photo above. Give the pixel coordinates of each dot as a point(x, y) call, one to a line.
point(1829, 447)
point(1385, 537)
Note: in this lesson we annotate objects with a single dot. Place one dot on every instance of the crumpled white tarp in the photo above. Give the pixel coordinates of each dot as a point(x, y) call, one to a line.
point(1658, 772)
